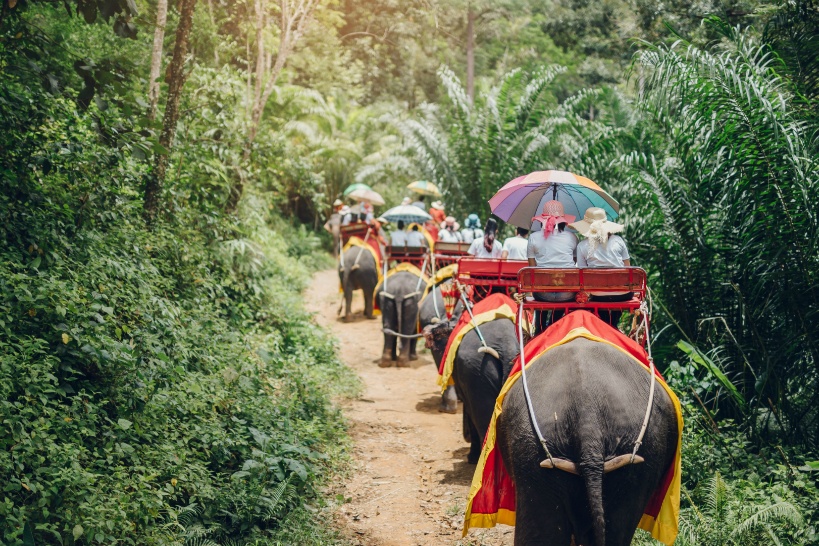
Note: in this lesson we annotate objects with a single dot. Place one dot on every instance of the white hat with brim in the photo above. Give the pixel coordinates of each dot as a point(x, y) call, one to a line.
point(437, 205)
point(338, 203)
point(595, 219)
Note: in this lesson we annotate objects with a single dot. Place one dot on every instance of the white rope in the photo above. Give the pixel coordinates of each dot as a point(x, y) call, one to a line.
point(360, 250)
point(404, 336)
point(421, 276)
point(645, 310)
point(526, 386)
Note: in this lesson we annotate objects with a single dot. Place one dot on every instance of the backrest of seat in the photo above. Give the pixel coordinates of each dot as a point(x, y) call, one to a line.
point(615, 280)
point(451, 249)
point(489, 272)
point(357, 229)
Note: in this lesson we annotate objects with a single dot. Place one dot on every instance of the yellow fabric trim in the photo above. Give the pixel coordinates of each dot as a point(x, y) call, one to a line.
point(664, 528)
point(359, 242)
point(485, 521)
point(504, 311)
point(402, 267)
point(440, 276)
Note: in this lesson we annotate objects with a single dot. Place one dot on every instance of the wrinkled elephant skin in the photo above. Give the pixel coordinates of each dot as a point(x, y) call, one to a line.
point(358, 276)
point(590, 400)
point(432, 312)
point(478, 376)
point(399, 313)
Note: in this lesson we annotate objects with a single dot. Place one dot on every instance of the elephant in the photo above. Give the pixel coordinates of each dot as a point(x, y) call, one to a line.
point(360, 275)
point(398, 297)
point(432, 312)
point(478, 376)
point(590, 400)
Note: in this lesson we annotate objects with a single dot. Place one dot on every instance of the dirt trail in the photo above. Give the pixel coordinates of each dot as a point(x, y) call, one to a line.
point(411, 477)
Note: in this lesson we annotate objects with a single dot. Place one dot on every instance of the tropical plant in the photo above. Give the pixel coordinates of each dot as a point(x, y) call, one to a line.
point(725, 218)
point(731, 515)
point(471, 150)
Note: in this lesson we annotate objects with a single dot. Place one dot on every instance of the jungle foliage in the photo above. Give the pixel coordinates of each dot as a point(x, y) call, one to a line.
point(161, 383)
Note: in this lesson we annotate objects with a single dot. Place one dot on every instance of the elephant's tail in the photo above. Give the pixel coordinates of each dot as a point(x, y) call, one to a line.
point(593, 477)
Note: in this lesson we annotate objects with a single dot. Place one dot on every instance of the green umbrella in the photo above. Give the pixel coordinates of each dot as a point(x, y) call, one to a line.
point(357, 186)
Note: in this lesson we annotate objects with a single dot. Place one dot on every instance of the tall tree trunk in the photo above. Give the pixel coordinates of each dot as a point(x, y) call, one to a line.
point(470, 54)
point(293, 21)
point(213, 22)
point(175, 76)
point(156, 57)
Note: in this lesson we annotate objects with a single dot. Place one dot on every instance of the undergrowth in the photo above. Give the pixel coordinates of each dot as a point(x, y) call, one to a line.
point(157, 387)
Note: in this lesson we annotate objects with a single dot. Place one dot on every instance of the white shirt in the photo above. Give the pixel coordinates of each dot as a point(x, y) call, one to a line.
point(398, 238)
point(470, 234)
point(477, 249)
point(557, 250)
point(516, 247)
point(420, 205)
point(416, 238)
point(447, 236)
point(612, 254)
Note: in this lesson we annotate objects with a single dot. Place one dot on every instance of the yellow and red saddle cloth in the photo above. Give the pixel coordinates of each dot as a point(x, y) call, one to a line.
point(405, 267)
point(495, 306)
point(492, 495)
point(371, 246)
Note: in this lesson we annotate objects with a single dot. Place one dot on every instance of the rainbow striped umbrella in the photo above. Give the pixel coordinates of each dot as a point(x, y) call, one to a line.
point(523, 198)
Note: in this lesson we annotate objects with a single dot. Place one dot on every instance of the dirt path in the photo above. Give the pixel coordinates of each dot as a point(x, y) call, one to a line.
point(411, 477)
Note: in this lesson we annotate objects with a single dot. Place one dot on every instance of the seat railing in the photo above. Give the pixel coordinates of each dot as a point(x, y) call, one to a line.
point(585, 283)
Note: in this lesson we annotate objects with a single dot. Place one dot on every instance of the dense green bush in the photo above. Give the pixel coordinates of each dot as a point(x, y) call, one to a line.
point(149, 378)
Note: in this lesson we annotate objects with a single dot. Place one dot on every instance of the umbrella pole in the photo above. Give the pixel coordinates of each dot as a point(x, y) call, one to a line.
point(554, 191)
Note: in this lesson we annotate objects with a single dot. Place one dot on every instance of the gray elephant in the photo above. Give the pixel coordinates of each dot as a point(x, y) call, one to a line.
point(358, 273)
point(398, 297)
point(478, 375)
point(432, 312)
point(589, 400)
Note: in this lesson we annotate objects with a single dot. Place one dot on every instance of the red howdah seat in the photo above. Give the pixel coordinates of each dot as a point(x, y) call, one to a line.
point(356, 229)
point(415, 255)
point(585, 282)
point(448, 253)
point(488, 275)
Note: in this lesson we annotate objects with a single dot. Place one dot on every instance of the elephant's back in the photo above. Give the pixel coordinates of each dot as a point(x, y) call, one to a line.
point(500, 334)
point(586, 392)
point(402, 283)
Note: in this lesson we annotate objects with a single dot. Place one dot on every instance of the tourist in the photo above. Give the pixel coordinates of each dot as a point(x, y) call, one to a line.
point(514, 248)
point(486, 246)
point(602, 248)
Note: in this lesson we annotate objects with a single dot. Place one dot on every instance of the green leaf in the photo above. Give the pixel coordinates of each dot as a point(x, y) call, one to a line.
point(700, 359)
point(124, 424)
point(78, 531)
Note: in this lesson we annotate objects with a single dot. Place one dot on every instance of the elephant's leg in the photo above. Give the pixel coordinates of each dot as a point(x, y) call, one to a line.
point(475, 440)
point(348, 299)
point(387, 356)
point(449, 402)
point(403, 355)
point(368, 303)
point(413, 354)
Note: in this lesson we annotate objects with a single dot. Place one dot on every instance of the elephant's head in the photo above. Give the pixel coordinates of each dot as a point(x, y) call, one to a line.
point(436, 337)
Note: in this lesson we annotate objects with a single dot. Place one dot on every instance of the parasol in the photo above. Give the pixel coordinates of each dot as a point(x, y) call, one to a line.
point(406, 213)
point(357, 186)
point(523, 198)
point(425, 188)
point(367, 195)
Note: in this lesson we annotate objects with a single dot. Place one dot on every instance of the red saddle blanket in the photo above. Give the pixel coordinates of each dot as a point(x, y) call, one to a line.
point(492, 495)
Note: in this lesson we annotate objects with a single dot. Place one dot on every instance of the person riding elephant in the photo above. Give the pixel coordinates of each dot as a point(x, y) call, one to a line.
point(478, 374)
point(399, 296)
point(358, 270)
point(589, 399)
